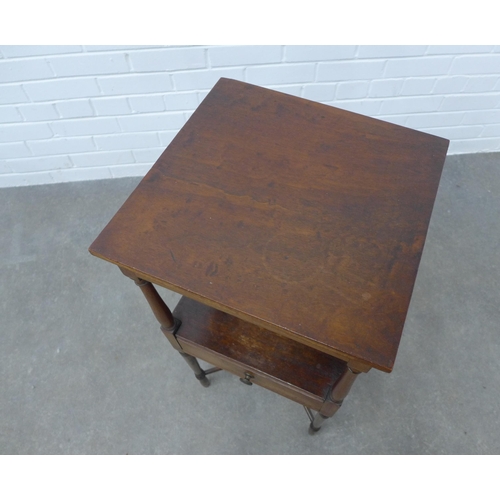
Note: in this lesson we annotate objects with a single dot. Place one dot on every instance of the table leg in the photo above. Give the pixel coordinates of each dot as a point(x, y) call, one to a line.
point(199, 373)
point(168, 324)
point(335, 398)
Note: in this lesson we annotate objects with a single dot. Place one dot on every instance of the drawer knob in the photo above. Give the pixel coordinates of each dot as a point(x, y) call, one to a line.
point(247, 378)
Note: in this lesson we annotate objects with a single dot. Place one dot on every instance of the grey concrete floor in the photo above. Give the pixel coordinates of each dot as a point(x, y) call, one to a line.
point(84, 368)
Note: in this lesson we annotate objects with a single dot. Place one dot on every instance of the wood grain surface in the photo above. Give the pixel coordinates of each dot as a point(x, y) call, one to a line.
point(304, 219)
point(262, 351)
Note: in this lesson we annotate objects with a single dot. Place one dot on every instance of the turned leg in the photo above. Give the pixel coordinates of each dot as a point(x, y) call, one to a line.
point(168, 324)
point(334, 400)
point(199, 373)
point(317, 422)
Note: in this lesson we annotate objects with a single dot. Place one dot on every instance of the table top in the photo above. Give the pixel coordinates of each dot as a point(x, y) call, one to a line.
point(299, 217)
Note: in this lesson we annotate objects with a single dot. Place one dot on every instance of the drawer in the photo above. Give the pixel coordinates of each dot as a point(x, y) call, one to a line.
point(279, 364)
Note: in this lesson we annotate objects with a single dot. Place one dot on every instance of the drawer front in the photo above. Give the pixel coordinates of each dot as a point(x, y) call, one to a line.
point(254, 376)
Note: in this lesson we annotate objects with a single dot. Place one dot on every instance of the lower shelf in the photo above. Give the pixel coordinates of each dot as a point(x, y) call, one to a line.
point(282, 365)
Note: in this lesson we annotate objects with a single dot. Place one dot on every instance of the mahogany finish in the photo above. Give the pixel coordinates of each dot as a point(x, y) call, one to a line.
point(299, 217)
point(240, 347)
point(304, 223)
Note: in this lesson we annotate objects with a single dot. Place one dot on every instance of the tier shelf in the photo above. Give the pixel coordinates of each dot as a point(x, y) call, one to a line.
point(285, 366)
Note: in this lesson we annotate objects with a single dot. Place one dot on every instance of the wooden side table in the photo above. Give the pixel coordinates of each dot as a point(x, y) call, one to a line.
point(294, 232)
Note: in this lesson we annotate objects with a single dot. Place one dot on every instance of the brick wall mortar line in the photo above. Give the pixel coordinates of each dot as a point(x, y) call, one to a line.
point(96, 80)
point(439, 108)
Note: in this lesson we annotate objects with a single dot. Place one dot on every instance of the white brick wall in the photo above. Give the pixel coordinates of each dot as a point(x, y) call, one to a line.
point(72, 113)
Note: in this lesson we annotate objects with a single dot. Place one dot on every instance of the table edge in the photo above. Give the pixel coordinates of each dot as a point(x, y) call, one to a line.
point(357, 363)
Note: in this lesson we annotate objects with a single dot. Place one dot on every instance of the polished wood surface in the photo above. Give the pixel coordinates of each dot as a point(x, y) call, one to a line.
point(277, 363)
point(306, 220)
